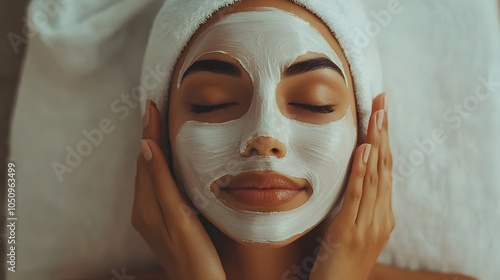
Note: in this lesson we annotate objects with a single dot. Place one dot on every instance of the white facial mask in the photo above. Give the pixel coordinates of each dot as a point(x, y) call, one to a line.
point(265, 42)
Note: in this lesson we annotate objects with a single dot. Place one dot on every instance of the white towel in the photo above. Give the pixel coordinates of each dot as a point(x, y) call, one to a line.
point(432, 55)
point(435, 55)
point(76, 67)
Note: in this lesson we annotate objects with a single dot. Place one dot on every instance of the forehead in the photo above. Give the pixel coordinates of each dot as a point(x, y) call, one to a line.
point(265, 38)
point(262, 28)
point(253, 5)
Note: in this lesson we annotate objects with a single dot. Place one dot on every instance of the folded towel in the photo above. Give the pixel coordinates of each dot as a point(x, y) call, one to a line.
point(83, 35)
point(78, 71)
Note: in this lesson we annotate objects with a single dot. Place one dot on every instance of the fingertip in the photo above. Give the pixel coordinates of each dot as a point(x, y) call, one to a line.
point(366, 153)
point(147, 154)
point(384, 102)
point(151, 122)
point(379, 102)
point(375, 127)
point(154, 111)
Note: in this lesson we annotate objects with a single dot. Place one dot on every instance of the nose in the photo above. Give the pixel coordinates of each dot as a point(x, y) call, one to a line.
point(265, 146)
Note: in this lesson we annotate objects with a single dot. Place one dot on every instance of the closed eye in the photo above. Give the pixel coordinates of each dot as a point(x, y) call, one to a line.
point(199, 109)
point(326, 109)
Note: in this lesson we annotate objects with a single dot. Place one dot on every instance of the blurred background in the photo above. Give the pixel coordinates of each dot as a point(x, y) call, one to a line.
point(11, 14)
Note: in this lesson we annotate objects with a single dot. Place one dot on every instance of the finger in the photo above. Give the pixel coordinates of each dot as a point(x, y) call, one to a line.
point(146, 210)
point(385, 161)
point(354, 190)
point(379, 103)
point(187, 235)
point(370, 182)
point(175, 209)
point(151, 123)
point(388, 162)
point(383, 204)
point(142, 183)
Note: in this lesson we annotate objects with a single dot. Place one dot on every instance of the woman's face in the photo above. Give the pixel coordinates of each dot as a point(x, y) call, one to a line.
point(265, 104)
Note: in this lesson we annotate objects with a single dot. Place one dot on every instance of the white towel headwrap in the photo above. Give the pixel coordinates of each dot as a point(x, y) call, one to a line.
point(178, 20)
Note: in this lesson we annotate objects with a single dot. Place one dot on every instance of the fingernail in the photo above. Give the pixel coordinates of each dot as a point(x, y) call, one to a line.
point(380, 119)
point(385, 102)
point(145, 119)
point(366, 153)
point(146, 151)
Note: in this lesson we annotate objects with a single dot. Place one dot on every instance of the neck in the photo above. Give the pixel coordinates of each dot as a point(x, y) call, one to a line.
point(249, 261)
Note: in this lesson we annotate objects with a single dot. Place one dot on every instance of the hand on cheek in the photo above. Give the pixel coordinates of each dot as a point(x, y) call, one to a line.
point(163, 217)
point(357, 235)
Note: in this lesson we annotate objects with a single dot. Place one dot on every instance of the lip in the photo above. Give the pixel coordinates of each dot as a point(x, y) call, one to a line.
point(261, 190)
point(263, 197)
point(259, 180)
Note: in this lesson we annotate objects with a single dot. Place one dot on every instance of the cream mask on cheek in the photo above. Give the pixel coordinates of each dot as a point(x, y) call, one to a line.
point(265, 42)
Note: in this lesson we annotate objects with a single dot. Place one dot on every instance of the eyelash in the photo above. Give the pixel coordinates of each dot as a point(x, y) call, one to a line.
point(198, 109)
point(327, 109)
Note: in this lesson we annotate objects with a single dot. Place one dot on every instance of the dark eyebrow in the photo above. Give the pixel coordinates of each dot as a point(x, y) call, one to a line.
point(311, 65)
point(214, 66)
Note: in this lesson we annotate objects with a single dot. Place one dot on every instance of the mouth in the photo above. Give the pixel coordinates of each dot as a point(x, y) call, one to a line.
point(262, 191)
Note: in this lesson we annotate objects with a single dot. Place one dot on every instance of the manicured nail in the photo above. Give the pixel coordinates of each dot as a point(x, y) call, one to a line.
point(366, 153)
point(146, 151)
point(145, 119)
point(380, 119)
point(385, 102)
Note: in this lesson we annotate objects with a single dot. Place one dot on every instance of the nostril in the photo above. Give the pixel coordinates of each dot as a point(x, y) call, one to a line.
point(265, 146)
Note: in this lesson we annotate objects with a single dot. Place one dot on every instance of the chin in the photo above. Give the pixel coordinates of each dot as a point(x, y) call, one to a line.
point(217, 232)
point(270, 244)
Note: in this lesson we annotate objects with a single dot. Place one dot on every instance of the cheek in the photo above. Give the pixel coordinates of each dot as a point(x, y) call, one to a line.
point(173, 154)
